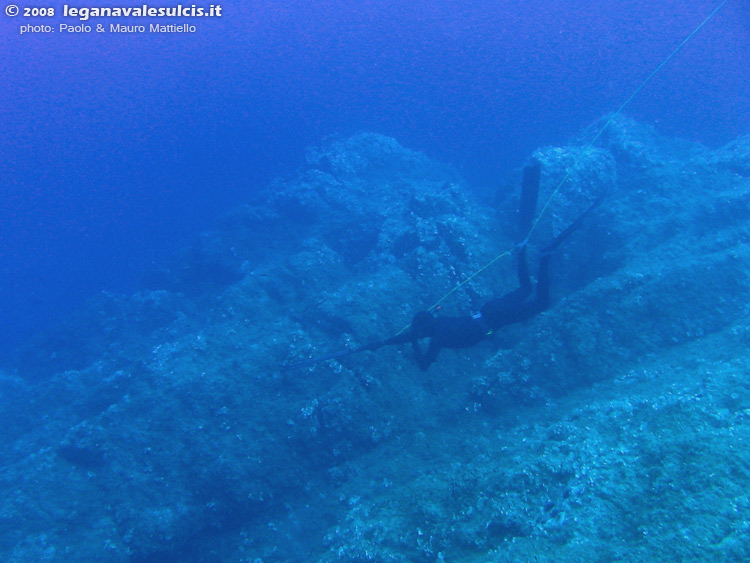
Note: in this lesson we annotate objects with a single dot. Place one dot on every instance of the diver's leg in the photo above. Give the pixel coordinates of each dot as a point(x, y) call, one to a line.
point(524, 279)
point(526, 210)
point(542, 301)
point(529, 196)
point(570, 228)
point(513, 298)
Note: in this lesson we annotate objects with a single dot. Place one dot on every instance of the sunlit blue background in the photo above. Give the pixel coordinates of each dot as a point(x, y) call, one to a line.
point(117, 149)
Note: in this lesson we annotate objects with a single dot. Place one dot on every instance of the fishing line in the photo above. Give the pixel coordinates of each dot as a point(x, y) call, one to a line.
point(549, 199)
point(578, 159)
point(619, 110)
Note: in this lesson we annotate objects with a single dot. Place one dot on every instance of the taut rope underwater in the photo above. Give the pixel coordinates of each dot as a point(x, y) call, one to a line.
point(534, 224)
point(575, 162)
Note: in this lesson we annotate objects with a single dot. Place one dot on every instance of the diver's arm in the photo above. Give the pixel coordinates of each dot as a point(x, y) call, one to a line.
point(402, 338)
point(425, 360)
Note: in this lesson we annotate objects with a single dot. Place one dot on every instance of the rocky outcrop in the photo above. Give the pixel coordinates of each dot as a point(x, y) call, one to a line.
point(160, 425)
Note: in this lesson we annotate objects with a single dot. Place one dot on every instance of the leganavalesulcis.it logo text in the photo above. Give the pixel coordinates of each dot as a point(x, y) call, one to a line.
point(143, 11)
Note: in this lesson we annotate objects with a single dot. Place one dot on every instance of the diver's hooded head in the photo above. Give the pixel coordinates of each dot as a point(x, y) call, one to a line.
point(423, 325)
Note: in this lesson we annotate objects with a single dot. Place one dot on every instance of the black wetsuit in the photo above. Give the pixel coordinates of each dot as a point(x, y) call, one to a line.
point(513, 307)
point(466, 331)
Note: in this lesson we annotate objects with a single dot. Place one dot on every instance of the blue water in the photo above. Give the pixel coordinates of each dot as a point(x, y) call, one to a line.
point(117, 149)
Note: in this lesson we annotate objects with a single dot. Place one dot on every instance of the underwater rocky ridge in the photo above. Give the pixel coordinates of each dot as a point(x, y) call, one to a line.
point(160, 426)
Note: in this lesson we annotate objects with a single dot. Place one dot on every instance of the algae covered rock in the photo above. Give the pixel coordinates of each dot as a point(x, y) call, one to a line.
point(161, 425)
point(735, 156)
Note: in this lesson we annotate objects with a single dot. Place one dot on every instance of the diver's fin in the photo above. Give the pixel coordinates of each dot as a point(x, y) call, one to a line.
point(559, 239)
point(529, 196)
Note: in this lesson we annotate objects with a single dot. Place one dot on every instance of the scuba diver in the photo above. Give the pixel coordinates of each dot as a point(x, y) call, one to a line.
point(513, 307)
